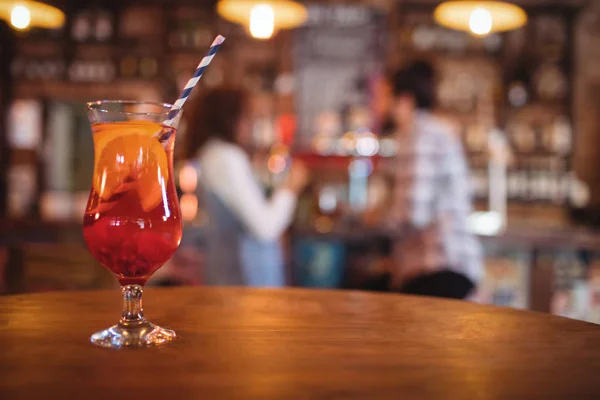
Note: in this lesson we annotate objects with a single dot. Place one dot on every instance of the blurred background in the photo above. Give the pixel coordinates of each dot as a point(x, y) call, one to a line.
point(525, 102)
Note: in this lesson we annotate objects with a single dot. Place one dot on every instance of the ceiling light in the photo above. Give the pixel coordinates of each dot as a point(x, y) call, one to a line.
point(480, 17)
point(22, 14)
point(263, 18)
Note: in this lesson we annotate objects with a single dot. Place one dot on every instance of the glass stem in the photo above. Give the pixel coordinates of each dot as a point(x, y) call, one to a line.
point(133, 311)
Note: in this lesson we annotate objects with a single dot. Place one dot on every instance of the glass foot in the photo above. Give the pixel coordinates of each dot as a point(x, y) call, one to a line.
point(144, 334)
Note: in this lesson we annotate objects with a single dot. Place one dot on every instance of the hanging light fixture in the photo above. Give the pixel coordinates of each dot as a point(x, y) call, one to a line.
point(23, 14)
point(263, 18)
point(480, 17)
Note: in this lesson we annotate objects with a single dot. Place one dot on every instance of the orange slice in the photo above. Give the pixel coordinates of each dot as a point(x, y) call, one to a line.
point(107, 131)
point(152, 176)
point(129, 157)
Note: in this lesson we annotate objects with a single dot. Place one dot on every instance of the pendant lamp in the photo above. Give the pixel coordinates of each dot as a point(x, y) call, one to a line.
point(23, 14)
point(263, 18)
point(480, 17)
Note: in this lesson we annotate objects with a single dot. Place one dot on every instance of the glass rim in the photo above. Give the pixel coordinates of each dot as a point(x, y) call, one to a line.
point(97, 106)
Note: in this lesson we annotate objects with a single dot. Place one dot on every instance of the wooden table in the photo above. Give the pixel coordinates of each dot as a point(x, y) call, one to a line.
point(294, 344)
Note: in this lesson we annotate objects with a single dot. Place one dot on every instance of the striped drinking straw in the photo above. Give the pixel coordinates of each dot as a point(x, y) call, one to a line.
point(214, 47)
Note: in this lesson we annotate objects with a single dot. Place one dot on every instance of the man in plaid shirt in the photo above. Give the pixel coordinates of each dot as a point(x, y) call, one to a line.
point(431, 198)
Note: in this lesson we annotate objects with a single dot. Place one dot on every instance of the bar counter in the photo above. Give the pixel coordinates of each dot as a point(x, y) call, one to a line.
point(290, 343)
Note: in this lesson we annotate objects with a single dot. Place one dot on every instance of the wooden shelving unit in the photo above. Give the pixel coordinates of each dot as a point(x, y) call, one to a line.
point(475, 91)
point(128, 50)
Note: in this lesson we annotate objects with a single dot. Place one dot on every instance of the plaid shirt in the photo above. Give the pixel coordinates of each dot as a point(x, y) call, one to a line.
point(432, 197)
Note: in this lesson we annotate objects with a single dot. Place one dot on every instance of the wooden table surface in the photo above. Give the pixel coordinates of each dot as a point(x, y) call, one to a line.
point(294, 344)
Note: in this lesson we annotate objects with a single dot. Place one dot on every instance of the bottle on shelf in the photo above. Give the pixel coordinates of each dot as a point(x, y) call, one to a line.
point(103, 30)
point(81, 27)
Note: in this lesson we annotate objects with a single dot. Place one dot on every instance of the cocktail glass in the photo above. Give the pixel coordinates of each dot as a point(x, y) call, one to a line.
point(132, 222)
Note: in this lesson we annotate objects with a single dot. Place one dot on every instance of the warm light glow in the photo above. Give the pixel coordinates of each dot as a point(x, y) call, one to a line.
point(189, 207)
point(327, 200)
point(347, 143)
point(480, 17)
point(20, 17)
point(22, 14)
point(263, 17)
point(367, 146)
point(262, 21)
point(276, 163)
point(323, 145)
point(480, 22)
point(188, 178)
point(485, 223)
point(323, 224)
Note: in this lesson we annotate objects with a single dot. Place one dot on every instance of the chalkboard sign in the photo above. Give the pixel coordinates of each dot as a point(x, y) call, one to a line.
point(336, 54)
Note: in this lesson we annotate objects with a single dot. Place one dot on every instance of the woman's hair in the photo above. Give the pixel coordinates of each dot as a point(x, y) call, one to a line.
point(417, 80)
point(215, 114)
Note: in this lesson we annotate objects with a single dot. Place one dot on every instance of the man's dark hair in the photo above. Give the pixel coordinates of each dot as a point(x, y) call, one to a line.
point(417, 80)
